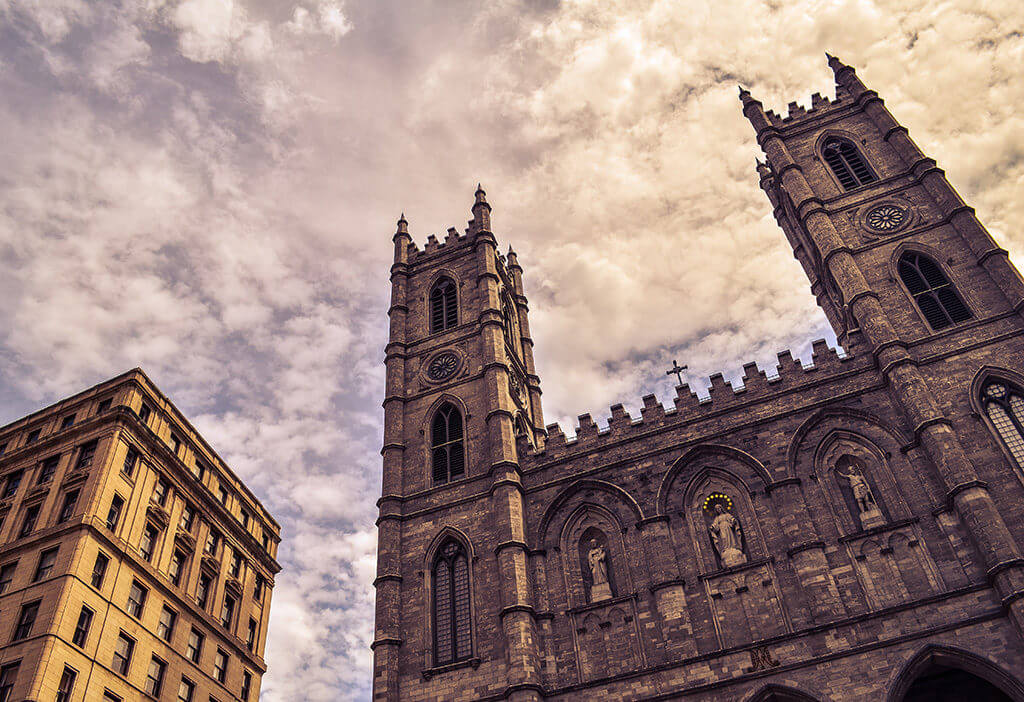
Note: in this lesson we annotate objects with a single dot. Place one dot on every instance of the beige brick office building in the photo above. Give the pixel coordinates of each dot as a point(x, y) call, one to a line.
point(134, 564)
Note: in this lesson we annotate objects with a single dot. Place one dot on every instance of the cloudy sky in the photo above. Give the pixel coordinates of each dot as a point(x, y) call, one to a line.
point(207, 189)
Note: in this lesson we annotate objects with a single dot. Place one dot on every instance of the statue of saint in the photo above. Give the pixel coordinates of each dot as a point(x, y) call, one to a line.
point(727, 537)
point(598, 567)
point(861, 489)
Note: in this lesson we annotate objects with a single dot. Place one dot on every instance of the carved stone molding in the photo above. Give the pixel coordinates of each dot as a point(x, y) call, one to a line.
point(185, 541)
point(158, 515)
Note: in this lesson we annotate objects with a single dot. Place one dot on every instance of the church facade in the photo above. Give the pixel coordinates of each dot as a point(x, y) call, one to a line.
point(850, 529)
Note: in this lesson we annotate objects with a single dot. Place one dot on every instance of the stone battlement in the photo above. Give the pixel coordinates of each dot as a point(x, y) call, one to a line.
point(797, 113)
point(756, 386)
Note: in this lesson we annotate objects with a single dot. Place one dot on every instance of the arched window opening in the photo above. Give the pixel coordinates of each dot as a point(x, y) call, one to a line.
point(452, 639)
point(1004, 405)
point(443, 307)
point(847, 164)
point(943, 684)
point(448, 454)
point(508, 311)
point(934, 294)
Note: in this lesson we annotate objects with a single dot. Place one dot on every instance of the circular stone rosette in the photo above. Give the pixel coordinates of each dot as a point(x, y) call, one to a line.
point(886, 218)
point(442, 366)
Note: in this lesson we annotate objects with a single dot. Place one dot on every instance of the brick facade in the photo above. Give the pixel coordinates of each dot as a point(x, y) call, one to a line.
point(829, 593)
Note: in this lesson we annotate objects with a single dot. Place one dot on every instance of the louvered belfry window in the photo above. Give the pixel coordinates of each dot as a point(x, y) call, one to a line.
point(452, 641)
point(847, 164)
point(1004, 405)
point(443, 307)
point(934, 294)
point(448, 454)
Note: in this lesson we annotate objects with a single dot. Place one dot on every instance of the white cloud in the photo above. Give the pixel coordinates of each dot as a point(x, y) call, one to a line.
point(207, 188)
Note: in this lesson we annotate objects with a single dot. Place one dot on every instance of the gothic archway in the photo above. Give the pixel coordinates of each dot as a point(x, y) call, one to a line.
point(946, 674)
point(780, 693)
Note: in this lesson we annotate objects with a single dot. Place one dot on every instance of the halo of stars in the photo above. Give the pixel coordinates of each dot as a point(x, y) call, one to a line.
point(718, 497)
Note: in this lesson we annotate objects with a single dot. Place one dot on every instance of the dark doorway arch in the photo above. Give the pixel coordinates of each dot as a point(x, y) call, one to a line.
point(944, 674)
point(781, 693)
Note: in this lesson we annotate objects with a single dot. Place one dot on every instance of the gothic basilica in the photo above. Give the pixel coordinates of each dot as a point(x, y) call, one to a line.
point(847, 529)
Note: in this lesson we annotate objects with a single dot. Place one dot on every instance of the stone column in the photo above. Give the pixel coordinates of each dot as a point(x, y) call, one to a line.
point(507, 509)
point(387, 629)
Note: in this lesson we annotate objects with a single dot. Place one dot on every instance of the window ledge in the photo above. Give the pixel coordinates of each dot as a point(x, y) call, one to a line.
point(428, 673)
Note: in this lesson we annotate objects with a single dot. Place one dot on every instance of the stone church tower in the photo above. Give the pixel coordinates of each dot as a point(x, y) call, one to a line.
point(846, 530)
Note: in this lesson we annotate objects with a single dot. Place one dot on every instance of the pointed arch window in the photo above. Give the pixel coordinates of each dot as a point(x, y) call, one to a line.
point(934, 294)
point(1004, 405)
point(450, 572)
point(508, 311)
point(443, 306)
point(448, 454)
point(846, 163)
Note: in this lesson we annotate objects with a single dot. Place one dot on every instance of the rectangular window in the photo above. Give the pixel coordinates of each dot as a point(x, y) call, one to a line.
point(25, 620)
point(144, 413)
point(148, 542)
point(212, 542)
point(103, 406)
point(99, 569)
point(131, 459)
point(47, 469)
point(195, 645)
point(203, 590)
point(33, 436)
point(67, 508)
point(123, 651)
point(136, 599)
point(165, 627)
point(3, 448)
point(236, 563)
point(67, 685)
point(220, 666)
point(160, 492)
point(222, 495)
point(8, 674)
point(175, 444)
point(201, 470)
point(177, 567)
point(82, 628)
point(186, 688)
point(246, 518)
point(246, 684)
point(7, 575)
point(46, 560)
point(188, 518)
point(155, 676)
point(12, 484)
point(114, 513)
point(29, 524)
point(250, 638)
point(67, 422)
point(265, 539)
point(109, 696)
point(257, 588)
point(227, 611)
point(85, 455)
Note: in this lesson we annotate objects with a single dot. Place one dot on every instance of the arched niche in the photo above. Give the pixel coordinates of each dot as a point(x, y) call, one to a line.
point(589, 529)
point(939, 670)
point(747, 469)
point(858, 482)
point(715, 502)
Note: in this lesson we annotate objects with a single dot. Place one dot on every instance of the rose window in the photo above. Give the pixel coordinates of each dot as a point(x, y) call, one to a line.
point(443, 366)
point(886, 218)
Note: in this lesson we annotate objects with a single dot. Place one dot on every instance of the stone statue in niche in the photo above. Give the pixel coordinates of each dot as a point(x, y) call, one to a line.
point(870, 515)
point(595, 566)
point(599, 587)
point(726, 531)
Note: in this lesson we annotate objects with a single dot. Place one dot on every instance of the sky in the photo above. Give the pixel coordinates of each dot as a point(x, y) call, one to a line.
point(207, 189)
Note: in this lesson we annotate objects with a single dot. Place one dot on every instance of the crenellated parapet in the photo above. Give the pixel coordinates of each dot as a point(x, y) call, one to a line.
point(756, 387)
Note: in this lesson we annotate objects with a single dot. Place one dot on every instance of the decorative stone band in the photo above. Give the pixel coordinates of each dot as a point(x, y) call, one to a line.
point(386, 579)
point(998, 568)
point(804, 547)
point(957, 489)
point(512, 543)
point(428, 673)
point(770, 487)
point(385, 642)
point(680, 582)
